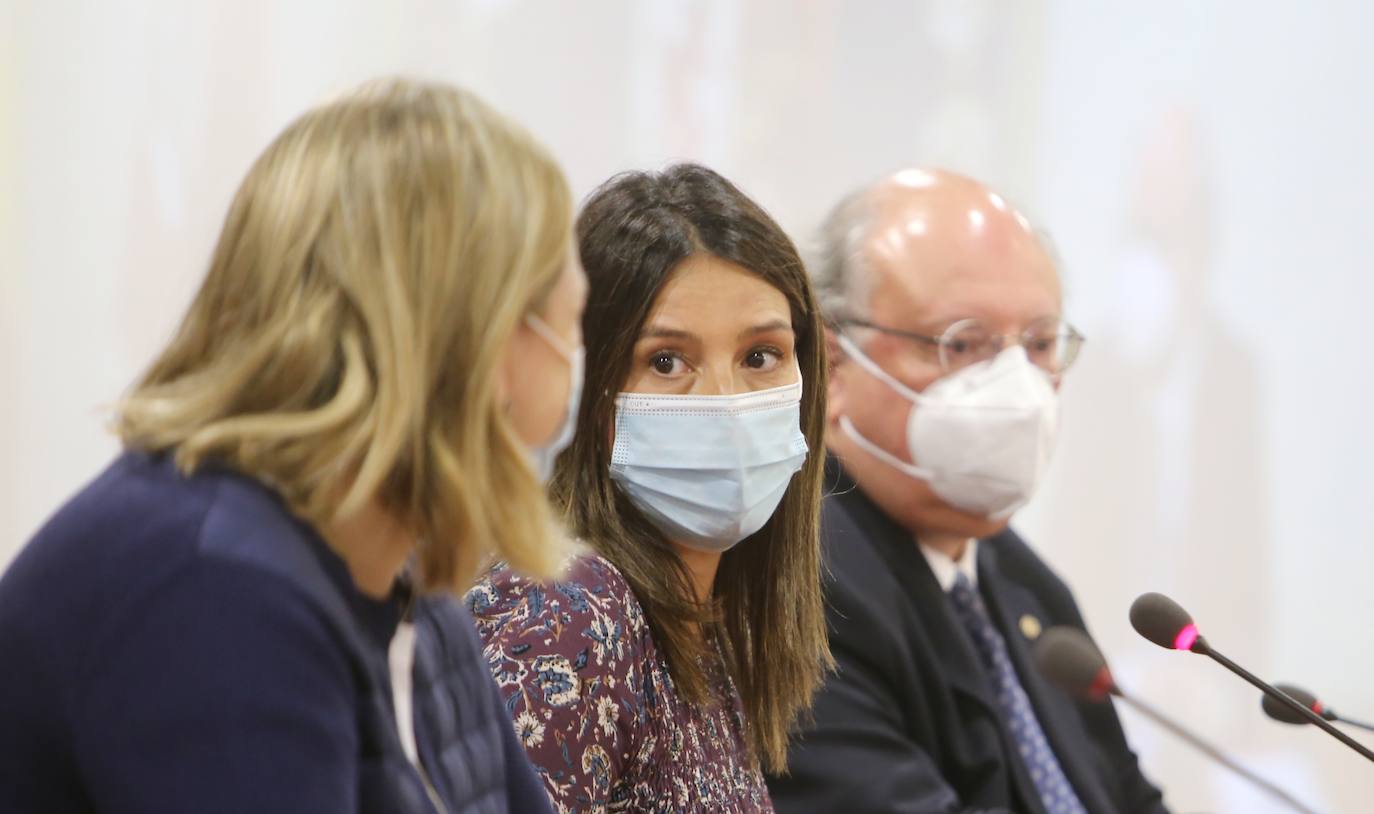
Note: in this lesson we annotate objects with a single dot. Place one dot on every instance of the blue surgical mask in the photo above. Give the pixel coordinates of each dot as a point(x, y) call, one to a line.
point(708, 471)
point(543, 458)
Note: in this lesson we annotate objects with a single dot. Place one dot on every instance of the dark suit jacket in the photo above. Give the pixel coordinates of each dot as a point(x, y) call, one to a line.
point(172, 643)
point(909, 723)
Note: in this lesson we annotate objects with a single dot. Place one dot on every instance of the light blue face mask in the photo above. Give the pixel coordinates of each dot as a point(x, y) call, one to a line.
point(708, 471)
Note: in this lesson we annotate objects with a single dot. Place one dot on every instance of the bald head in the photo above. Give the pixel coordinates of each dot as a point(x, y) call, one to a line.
point(931, 234)
point(912, 257)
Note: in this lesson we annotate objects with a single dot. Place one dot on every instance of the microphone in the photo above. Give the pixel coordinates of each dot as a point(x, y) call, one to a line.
point(1280, 712)
point(1164, 622)
point(1070, 660)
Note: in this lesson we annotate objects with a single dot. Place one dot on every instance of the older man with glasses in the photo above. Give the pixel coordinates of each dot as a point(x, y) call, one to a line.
point(948, 345)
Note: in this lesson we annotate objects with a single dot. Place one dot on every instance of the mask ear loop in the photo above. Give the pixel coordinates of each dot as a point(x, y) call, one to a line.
point(871, 367)
point(847, 426)
point(546, 333)
point(576, 360)
point(852, 351)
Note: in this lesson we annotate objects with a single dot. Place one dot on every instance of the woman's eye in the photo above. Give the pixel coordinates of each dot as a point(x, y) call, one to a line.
point(762, 359)
point(665, 364)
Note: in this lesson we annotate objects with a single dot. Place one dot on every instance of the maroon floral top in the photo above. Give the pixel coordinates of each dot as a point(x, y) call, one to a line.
point(594, 704)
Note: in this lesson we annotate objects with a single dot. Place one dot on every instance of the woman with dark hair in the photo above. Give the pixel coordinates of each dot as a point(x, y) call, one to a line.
point(664, 672)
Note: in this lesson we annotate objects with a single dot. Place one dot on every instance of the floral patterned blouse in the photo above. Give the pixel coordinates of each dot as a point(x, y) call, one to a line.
point(594, 704)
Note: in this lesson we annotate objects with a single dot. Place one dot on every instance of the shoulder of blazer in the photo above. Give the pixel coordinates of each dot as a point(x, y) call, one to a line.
point(880, 592)
point(1012, 559)
point(856, 536)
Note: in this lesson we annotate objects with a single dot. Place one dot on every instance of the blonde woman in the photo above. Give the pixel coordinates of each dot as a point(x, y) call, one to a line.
point(250, 609)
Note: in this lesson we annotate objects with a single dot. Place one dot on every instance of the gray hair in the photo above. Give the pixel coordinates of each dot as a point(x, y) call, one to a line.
point(837, 265)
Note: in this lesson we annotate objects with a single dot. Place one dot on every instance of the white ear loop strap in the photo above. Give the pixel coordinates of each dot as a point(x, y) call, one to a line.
point(539, 326)
point(852, 351)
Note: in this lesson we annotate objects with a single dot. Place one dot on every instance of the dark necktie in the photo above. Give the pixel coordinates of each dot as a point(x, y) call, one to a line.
point(1055, 790)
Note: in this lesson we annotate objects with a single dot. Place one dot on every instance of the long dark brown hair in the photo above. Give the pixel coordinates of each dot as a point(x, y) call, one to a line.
point(766, 609)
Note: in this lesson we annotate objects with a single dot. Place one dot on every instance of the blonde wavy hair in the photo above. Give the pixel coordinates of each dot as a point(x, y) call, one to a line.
point(345, 344)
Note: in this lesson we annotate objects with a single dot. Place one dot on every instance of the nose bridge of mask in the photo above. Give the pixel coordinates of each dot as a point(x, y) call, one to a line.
point(1008, 390)
point(716, 433)
point(1011, 361)
point(1010, 395)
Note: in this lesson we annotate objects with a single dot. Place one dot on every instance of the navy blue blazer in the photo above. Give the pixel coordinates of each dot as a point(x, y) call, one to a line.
point(909, 724)
point(174, 644)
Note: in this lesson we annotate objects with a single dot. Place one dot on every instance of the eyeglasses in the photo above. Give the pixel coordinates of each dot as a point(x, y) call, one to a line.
point(1051, 343)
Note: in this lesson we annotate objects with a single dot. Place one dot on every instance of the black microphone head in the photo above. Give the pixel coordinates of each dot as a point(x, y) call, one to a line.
point(1163, 621)
point(1280, 711)
point(1071, 661)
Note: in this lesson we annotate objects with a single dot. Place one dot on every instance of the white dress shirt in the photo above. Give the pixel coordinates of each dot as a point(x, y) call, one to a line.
point(947, 569)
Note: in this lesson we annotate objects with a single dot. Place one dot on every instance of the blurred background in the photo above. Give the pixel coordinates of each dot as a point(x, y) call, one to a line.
point(1205, 169)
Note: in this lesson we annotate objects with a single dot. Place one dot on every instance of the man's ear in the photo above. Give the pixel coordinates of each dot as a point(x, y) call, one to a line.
point(838, 370)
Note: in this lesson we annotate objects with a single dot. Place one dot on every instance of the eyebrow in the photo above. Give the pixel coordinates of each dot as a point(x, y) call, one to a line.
point(652, 332)
point(667, 333)
point(767, 327)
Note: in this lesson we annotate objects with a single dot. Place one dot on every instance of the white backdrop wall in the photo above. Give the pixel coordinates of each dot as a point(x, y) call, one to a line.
point(1204, 169)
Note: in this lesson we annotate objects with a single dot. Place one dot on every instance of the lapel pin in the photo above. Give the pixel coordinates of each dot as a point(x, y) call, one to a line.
point(1030, 627)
